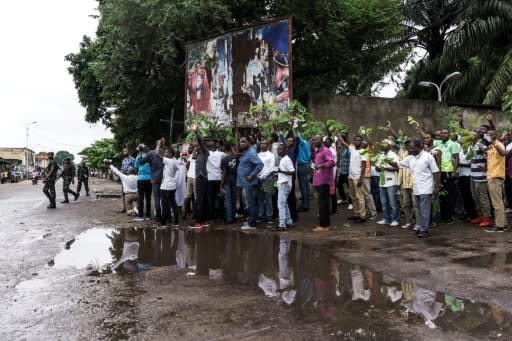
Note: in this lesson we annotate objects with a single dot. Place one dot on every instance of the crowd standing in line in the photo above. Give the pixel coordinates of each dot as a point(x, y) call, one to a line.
point(218, 182)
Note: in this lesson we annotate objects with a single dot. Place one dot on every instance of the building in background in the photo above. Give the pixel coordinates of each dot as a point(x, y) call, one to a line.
point(25, 156)
point(41, 159)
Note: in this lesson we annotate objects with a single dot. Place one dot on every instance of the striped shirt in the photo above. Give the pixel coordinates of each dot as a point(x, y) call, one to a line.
point(480, 160)
point(345, 161)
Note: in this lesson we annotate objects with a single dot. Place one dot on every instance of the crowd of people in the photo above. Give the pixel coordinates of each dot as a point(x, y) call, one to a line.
point(417, 184)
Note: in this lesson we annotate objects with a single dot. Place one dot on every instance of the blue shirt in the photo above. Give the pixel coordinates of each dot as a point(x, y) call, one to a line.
point(249, 164)
point(128, 162)
point(156, 165)
point(304, 153)
point(292, 154)
point(143, 169)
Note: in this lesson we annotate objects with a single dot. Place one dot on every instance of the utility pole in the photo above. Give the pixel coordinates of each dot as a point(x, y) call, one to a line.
point(26, 147)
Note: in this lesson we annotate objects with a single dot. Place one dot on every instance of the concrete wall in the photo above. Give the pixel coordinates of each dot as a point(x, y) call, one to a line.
point(372, 112)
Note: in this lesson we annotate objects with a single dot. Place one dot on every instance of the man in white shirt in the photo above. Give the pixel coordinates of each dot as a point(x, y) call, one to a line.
point(191, 180)
point(129, 183)
point(284, 185)
point(265, 208)
point(355, 178)
point(214, 177)
point(425, 175)
point(168, 186)
point(387, 185)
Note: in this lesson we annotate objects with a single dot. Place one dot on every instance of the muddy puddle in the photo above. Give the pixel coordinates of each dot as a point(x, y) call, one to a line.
point(354, 302)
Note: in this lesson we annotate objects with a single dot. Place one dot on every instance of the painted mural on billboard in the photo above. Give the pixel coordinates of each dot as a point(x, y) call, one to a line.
point(227, 74)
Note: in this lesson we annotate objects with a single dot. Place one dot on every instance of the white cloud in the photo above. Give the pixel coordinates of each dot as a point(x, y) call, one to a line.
point(34, 83)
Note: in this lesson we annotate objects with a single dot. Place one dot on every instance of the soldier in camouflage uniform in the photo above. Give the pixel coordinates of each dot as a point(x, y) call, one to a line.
point(68, 177)
point(49, 180)
point(82, 173)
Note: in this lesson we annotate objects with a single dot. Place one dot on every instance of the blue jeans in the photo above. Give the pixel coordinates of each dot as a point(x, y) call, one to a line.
point(265, 209)
point(424, 205)
point(283, 190)
point(389, 203)
point(250, 194)
point(230, 199)
point(303, 173)
point(156, 199)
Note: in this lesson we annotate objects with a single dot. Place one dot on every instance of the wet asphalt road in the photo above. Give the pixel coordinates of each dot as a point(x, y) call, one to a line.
point(43, 298)
point(34, 294)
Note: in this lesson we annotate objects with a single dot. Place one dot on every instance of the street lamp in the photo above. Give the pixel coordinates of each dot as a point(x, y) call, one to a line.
point(440, 87)
point(26, 146)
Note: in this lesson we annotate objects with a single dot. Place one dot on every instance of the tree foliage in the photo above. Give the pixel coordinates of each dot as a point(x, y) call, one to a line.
point(131, 75)
point(61, 155)
point(100, 150)
point(472, 37)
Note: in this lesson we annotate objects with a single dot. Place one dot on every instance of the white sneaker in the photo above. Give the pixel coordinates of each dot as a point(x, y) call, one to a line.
point(350, 206)
point(416, 227)
point(248, 227)
point(382, 222)
point(394, 223)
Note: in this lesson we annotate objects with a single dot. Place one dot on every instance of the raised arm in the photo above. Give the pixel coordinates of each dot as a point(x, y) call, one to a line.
point(341, 140)
point(490, 121)
point(118, 172)
point(158, 147)
point(460, 119)
point(391, 130)
point(420, 131)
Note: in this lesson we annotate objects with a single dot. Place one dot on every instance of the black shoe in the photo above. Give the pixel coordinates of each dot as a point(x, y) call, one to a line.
point(422, 234)
point(51, 206)
point(65, 202)
point(289, 226)
point(122, 211)
point(87, 195)
point(76, 197)
point(360, 221)
point(354, 217)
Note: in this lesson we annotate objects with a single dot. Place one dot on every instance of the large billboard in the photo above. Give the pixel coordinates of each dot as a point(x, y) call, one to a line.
point(228, 73)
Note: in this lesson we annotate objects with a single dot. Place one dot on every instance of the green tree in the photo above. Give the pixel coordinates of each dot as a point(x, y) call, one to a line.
point(429, 24)
point(472, 37)
point(481, 47)
point(129, 75)
point(99, 151)
point(61, 155)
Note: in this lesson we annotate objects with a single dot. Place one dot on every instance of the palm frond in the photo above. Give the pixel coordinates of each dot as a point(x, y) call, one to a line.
point(501, 79)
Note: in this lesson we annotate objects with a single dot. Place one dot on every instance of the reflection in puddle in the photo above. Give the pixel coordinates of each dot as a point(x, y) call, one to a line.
point(489, 260)
point(90, 248)
point(358, 304)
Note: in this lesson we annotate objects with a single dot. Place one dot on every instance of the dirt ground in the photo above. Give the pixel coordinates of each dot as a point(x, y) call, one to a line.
point(44, 299)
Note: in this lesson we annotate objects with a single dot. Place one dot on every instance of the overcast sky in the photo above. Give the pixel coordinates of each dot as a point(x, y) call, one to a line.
point(34, 83)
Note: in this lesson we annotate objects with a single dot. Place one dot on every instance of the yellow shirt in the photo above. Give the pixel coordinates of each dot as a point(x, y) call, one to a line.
point(404, 174)
point(495, 162)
